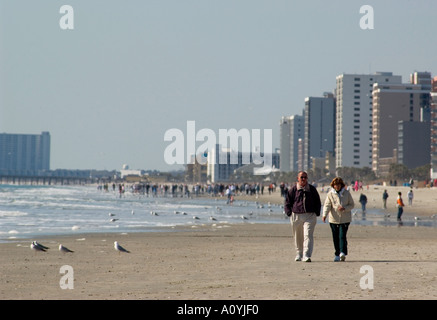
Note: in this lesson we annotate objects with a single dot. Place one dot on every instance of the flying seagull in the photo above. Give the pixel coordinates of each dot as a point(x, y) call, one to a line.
point(119, 248)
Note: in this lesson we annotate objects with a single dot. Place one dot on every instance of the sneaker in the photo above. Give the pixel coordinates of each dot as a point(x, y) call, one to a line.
point(342, 256)
point(336, 258)
point(298, 258)
point(307, 259)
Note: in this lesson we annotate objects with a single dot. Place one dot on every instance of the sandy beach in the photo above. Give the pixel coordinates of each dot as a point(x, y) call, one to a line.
point(235, 262)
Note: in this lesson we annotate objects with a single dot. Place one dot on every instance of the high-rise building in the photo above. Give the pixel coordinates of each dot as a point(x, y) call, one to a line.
point(393, 105)
point(422, 78)
point(434, 129)
point(319, 136)
point(353, 146)
point(285, 144)
point(24, 154)
point(434, 84)
point(411, 153)
point(291, 130)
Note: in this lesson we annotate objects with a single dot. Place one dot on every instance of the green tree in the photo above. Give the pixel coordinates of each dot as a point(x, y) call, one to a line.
point(399, 171)
point(350, 174)
point(421, 173)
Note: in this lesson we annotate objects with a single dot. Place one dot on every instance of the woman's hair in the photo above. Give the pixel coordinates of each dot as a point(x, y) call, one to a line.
point(337, 180)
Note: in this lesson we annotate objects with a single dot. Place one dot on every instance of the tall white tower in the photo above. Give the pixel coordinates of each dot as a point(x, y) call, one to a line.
point(353, 145)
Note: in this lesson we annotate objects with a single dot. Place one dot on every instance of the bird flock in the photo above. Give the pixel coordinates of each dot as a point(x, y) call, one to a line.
point(212, 217)
point(38, 247)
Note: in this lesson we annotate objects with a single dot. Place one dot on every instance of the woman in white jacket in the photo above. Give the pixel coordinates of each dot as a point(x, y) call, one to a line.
point(338, 206)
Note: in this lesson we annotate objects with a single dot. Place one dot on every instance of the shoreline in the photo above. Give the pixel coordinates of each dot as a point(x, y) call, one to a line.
point(422, 213)
point(229, 262)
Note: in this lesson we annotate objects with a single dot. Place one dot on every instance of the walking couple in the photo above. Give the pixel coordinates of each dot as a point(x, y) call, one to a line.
point(303, 206)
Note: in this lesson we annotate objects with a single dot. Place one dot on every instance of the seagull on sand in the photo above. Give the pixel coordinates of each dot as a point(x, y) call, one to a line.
point(119, 248)
point(64, 249)
point(38, 247)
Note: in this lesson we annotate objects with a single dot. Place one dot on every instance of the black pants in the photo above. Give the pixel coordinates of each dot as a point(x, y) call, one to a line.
point(339, 231)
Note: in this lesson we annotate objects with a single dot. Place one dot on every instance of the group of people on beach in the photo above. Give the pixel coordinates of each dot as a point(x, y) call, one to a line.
point(399, 202)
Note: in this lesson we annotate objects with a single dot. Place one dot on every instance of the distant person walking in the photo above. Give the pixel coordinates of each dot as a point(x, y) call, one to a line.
point(400, 205)
point(302, 205)
point(410, 196)
point(338, 205)
point(384, 199)
point(363, 201)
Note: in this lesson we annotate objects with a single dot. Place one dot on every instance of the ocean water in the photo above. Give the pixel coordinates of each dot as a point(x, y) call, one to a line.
point(31, 211)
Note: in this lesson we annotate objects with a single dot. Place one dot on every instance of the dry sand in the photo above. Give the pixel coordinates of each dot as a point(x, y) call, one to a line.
point(244, 261)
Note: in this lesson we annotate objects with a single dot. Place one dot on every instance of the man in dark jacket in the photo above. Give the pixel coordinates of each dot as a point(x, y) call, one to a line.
point(302, 205)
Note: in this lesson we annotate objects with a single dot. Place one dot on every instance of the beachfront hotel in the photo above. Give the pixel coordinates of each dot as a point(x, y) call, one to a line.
point(319, 114)
point(24, 154)
point(401, 119)
point(433, 128)
point(354, 108)
point(291, 130)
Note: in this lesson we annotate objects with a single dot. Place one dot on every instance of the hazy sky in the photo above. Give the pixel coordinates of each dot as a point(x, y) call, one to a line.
point(108, 90)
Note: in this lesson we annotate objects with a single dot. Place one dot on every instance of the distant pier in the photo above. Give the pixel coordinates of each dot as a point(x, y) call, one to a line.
point(44, 180)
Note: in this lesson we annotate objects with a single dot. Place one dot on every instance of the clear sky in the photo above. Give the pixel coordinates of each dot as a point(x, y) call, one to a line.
point(108, 90)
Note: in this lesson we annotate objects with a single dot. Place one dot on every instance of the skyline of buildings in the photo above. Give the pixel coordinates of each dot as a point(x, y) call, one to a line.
point(379, 120)
point(370, 120)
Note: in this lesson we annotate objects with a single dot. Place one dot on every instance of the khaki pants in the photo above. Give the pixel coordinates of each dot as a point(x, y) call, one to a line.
point(303, 225)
